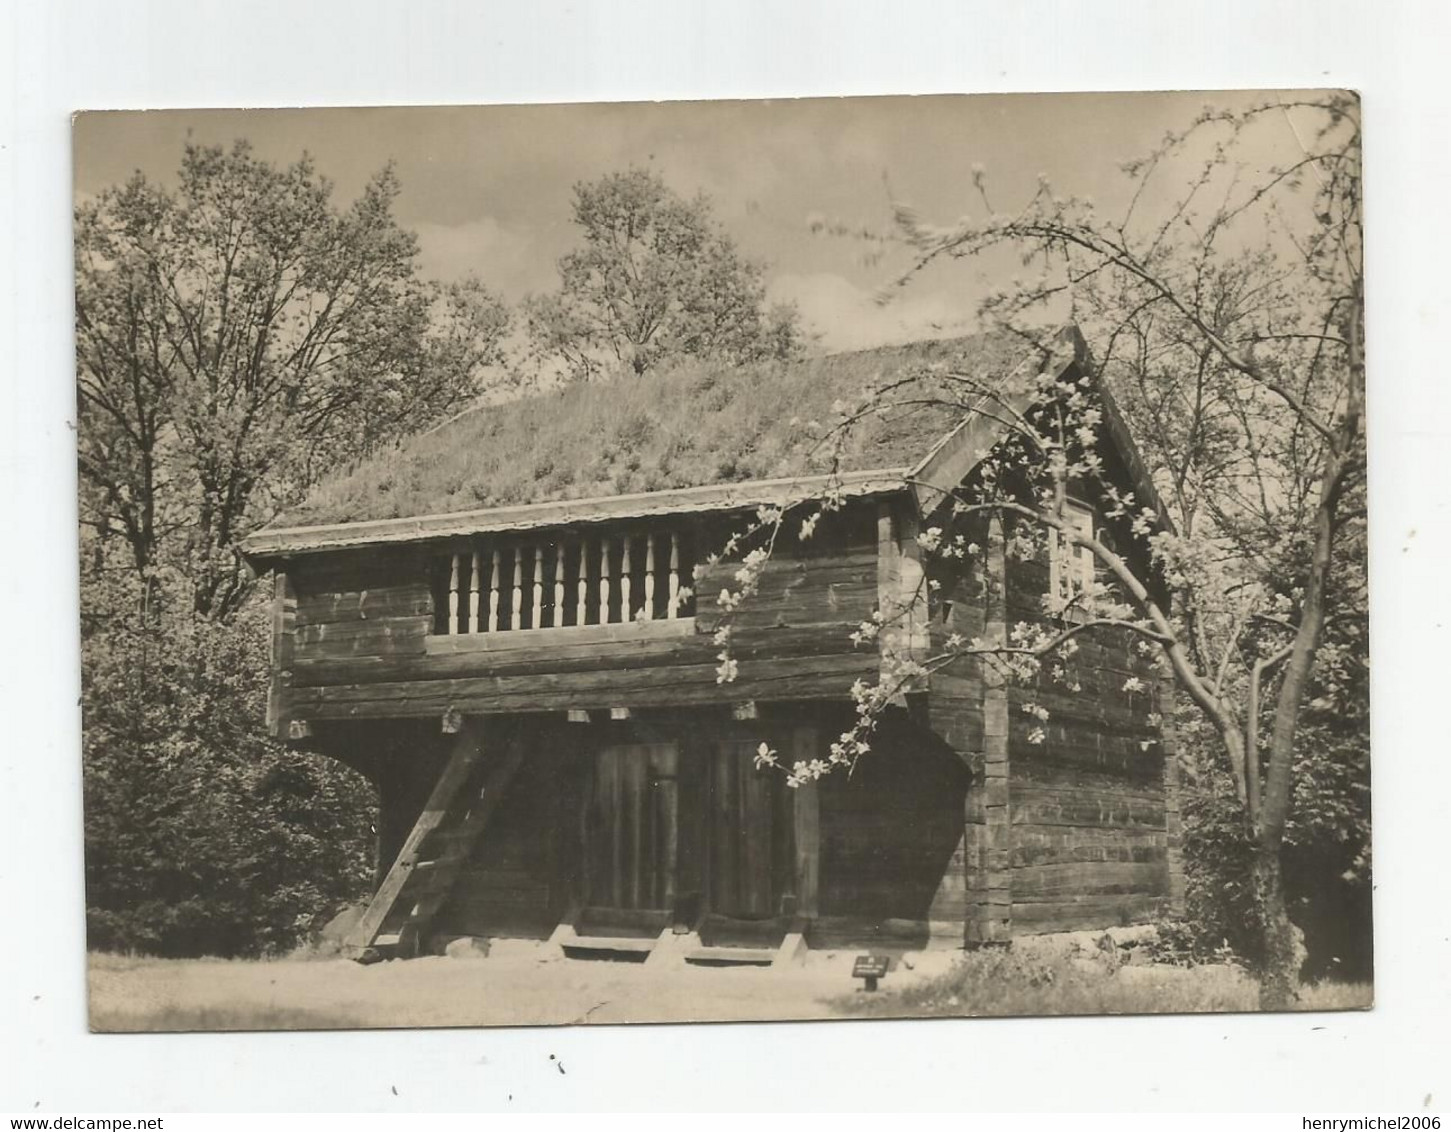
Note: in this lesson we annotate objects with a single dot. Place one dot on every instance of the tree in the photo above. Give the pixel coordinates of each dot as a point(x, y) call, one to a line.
point(1232, 322)
point(239, 336)
point(655, 279)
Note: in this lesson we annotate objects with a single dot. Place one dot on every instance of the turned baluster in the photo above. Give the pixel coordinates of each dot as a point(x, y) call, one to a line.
point(673, 582)
point(625, 578)
point(494, 591)
point(516, 602)
point(582, 588)
point(604, 580)
point(649, 609)
point(559, 584)
point(538, 579)
point(453, 594)
point(474, 568)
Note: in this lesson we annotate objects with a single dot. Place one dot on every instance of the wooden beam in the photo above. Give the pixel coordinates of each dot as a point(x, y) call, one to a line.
point(468, 746)
point(441, 872)
point(577, 715)
point(745, 710)
point(989, 879)
point(901, 591)
point(453, 721)
point(912, 585)
point(622, 713)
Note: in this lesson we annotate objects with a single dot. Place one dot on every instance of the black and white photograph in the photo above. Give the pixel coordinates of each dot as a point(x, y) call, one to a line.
point(838, 558)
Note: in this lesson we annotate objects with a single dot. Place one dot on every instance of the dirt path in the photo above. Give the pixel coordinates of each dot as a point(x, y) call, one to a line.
point(516, 985)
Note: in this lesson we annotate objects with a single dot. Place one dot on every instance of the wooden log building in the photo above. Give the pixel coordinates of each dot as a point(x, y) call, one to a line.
point(496, 625)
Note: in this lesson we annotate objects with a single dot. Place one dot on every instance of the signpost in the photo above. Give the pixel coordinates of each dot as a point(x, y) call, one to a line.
point(871, 968)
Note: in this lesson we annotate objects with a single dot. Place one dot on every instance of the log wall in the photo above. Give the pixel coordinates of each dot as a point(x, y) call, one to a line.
point(1091, 805)
point(1078, 831)
point(355, 638)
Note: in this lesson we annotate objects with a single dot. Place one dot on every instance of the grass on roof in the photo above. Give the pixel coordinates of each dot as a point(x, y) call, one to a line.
point(696, 424)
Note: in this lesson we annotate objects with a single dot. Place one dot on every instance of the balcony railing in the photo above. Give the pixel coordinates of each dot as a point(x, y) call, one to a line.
point(563, 581)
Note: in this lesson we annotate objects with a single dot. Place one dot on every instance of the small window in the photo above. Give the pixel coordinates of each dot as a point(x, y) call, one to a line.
point(1071, 567)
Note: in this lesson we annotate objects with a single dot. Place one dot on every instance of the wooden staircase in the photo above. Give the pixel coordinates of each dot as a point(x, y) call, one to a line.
point(395, 924)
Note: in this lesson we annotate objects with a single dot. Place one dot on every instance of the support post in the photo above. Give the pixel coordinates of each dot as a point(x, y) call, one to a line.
point(901, 592)
point(987, 826)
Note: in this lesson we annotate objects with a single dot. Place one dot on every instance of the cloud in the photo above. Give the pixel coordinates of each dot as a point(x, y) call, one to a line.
point(848, 317)
point(503, 257)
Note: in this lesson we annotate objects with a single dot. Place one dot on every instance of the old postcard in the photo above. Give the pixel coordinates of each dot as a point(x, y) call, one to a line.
point(826, 558)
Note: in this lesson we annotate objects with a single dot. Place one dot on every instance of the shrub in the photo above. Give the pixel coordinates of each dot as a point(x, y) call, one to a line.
point(204, 837)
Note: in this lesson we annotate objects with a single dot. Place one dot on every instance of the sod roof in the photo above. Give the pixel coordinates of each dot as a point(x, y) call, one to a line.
point(694, 425)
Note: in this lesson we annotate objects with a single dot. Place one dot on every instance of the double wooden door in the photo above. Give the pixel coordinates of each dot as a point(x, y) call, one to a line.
point(632, 827)
point(748, 834)
point(659, 825)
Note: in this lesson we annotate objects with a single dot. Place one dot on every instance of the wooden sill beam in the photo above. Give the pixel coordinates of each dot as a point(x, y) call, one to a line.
point(621, 632)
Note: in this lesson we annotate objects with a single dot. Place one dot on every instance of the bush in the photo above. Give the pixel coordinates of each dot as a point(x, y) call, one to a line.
point(1328, 895)
point(1219, 905)
point(203, 836)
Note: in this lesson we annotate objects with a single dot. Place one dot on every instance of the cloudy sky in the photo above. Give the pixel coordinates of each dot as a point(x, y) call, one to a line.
point(488, 189)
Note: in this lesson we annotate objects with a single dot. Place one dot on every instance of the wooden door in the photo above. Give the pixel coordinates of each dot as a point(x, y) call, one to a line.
point(631, 827)
point(749, 820)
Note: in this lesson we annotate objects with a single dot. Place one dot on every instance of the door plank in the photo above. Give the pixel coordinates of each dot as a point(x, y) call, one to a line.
point(806, 822)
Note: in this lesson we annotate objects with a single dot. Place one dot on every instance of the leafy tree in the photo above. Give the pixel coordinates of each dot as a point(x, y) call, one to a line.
point(236, 338)
point(202, 836)
point(240, 335)
point(1326, 851)
point(1231, 319)
point(656, 278)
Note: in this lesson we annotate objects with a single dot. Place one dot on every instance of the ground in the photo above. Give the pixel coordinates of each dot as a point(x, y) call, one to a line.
point(525, 984)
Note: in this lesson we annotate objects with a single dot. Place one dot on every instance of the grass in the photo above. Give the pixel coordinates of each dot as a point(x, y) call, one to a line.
point(1005, 983)
point(697, 424)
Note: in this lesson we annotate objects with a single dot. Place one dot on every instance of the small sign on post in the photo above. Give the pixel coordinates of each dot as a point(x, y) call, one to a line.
point(871, 968)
